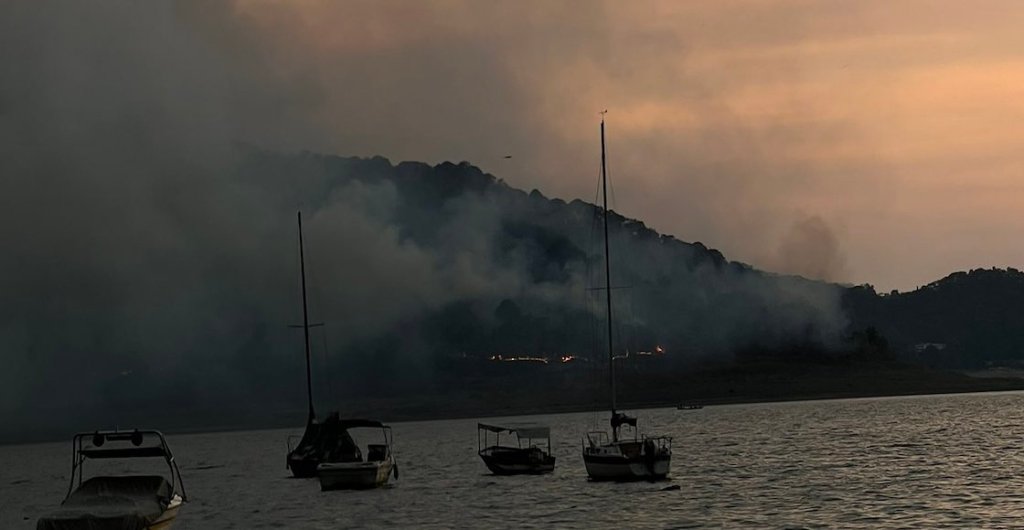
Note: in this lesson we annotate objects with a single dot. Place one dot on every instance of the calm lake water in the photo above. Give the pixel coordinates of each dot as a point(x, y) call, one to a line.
point(910, 462)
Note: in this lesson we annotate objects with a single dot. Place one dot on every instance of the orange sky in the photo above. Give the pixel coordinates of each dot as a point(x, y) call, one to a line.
point(733, 123)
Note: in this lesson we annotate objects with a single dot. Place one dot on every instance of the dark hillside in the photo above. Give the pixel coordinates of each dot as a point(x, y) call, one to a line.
point(965, 320)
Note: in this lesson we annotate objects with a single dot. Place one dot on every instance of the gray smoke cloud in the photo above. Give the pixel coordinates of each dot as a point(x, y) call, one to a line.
point(811, 249)
point(146, 257)
point(129, 246)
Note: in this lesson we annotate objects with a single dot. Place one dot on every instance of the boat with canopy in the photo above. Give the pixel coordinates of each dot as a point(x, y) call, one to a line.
point(525, 457)
point(344, 466)
point(121, 502)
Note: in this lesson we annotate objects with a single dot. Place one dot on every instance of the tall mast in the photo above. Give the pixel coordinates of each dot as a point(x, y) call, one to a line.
point(607, 270)
point(305, 322)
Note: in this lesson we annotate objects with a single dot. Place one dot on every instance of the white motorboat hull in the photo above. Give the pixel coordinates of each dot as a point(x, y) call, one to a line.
point(517, 461)
point(166, 519)
point(104, 514)
point(354, 475)
point(520, 469)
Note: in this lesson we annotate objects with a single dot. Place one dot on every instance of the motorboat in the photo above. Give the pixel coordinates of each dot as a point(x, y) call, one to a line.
point(689, 406)
point(525, 457)
point(122, 502)
point(343, 466)
point(614, 457)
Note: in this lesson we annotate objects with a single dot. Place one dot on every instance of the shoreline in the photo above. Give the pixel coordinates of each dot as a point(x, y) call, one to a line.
point(407, 409)
point(717, 402)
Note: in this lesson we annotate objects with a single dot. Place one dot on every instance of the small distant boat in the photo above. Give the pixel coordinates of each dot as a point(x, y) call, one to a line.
point(515, 460)
point(123, 502)
point(689, 406)
point(344, 467)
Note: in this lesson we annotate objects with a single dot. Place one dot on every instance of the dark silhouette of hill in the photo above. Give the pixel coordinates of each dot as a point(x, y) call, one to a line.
point(965, 320)
point(685, 297)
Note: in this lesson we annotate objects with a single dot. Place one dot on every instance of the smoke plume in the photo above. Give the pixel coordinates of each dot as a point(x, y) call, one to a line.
point(148, 214)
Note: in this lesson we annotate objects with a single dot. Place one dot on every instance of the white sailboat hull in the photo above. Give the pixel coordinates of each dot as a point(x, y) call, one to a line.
point(625, 461)
point(626, 469)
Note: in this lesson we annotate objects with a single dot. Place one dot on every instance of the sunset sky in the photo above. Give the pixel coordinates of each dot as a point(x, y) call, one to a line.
point(894, 128)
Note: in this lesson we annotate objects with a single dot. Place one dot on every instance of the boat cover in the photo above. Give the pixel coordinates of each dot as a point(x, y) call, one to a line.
point(114, 503)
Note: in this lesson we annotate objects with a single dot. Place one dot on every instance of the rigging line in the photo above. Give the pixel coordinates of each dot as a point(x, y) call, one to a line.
point(599, 326)
point(625, 332)
point(595, 374)
point(330, 384)
point(327, 376)
point(612, 203)
point(596, 219)
point(305, 323)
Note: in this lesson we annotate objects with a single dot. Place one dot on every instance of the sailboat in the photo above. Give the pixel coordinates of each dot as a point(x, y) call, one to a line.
point(305, 457)
point(326, 449)
point(618, 457)
point(321, 441)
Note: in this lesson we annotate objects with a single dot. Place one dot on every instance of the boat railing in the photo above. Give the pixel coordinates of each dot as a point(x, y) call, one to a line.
point(389, 441)
point(597, 438)
point(662, 442)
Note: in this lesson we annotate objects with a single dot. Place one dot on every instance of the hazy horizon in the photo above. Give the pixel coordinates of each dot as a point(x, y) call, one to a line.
point(854, 143)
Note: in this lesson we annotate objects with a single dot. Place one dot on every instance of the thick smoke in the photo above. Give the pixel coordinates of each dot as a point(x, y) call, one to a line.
point(811, 249)
point(150, 251)
point(132, 252)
